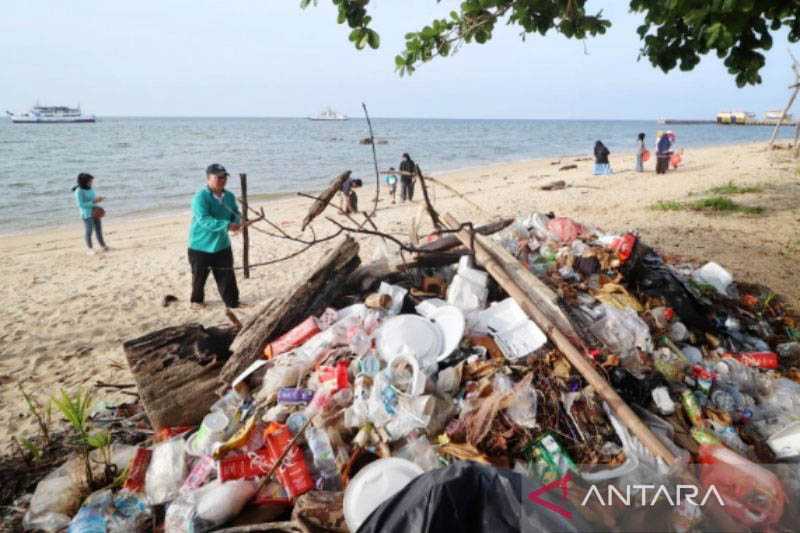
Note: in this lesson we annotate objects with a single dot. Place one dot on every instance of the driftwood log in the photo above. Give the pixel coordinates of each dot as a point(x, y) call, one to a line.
point(309, 296)
point(176, 371)
point(449, 241)
point(325, 198)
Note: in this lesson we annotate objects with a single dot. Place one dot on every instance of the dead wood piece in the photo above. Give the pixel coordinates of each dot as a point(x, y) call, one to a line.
point(175, 370)
point(309, 296)
point(447, 242)
point(568, 167)
point(325, 198)
point(554, 185)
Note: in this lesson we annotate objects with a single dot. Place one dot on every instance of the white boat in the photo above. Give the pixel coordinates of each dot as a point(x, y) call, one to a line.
point(51, 115)
point(329, 114)
point(776, 115)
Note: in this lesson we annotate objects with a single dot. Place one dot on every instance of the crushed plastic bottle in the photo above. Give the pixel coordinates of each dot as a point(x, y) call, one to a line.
point(324, 459)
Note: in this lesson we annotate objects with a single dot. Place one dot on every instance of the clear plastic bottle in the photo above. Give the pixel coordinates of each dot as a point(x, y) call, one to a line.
point(324, 459)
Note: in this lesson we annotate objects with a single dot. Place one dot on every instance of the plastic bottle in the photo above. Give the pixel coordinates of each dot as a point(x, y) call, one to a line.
point(731, 439)
point(324, 459)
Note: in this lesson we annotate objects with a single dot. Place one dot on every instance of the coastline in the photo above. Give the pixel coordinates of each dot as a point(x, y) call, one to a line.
point(263, 199)
point(69, 313)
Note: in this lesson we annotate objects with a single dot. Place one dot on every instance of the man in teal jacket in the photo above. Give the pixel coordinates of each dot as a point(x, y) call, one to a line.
point(214, 214)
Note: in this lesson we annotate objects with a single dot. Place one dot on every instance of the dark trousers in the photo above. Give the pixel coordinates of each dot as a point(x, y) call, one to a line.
point(662, 163)
point(93, 224)
point(406, 189)
point(221, 264)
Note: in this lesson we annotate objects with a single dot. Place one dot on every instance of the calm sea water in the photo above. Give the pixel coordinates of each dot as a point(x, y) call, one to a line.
point(156, 164)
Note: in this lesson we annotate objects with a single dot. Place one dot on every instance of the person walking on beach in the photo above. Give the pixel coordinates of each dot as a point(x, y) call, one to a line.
point(407, 177)
point(91, 213)
point(391, 182)
point(601, 164)
point(640, 154)
point(214, 214)
point(663, 153)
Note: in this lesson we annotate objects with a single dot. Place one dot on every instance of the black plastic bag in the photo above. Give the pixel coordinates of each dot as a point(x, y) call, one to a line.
point(646, 274)
point(469, 497)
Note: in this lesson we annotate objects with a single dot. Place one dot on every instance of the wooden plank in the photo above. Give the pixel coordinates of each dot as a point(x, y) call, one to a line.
point(245, 231)
point(176, 371)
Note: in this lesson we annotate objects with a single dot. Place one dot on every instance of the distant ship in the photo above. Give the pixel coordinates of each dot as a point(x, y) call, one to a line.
point(329, 114)
point(51, 115)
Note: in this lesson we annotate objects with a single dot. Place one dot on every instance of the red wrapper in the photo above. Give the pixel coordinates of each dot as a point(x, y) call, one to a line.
point(255, 464)
point(768, 360)
point(293, 472)
point(624, 246)
point(292, 339)
point(137, 469)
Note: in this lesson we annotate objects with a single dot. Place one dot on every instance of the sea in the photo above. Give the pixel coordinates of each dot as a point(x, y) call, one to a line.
point(154, 165)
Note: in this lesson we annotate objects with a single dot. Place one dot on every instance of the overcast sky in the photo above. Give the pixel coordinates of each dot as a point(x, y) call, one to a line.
point(270, 58)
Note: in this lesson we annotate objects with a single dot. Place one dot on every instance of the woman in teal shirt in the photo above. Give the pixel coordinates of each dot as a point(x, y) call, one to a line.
point(87, 202)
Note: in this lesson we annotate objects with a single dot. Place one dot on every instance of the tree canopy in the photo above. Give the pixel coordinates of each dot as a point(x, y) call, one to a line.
point(675, 33)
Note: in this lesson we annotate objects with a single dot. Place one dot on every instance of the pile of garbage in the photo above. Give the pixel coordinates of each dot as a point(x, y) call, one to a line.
point(347, 408)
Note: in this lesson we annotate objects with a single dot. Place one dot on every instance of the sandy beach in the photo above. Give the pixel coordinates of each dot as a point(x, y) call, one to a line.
point(67, 314)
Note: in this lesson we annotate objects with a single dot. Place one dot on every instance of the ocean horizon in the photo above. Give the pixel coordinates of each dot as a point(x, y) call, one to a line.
point(155, 164)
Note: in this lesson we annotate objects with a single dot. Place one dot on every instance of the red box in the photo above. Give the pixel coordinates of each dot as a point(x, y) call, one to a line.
point(293, 338)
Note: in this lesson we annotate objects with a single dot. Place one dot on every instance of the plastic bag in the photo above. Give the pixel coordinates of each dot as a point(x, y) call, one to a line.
point(471, 497)
point(522, 410)
point(166, 472)
point(112, 513)
point(56, 498)
point(398, 295)
point(208, 507)
point(622, 331)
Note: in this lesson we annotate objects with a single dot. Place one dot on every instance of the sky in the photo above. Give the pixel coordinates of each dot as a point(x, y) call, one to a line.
point(271, 58)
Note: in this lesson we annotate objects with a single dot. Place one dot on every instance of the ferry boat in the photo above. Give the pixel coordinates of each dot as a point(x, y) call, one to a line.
point(51, 115)
point(329, 114)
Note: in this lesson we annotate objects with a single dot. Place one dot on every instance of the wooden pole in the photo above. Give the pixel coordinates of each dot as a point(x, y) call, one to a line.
point(796, 87)
point(245, 231)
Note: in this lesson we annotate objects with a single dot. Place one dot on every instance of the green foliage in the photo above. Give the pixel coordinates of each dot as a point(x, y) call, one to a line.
point(31, 447)
point(732, 188)
point(710, 204)
point(722, 204)
point(675, 33)
point(43, 415)
point(75, 409)
point(668, 205)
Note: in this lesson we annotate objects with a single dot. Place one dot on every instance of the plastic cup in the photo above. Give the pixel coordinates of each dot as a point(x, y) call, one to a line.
point(211, 430)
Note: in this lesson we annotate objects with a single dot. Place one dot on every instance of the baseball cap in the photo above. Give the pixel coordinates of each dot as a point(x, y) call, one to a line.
point(216, 169)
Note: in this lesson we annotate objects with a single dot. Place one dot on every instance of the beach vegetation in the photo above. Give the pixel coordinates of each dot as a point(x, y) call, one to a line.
point(673, 34)
point(711, 204)
point(732, 188)
point(43, 415)
point(668, 205)
point(76, 409)
point(723, 204)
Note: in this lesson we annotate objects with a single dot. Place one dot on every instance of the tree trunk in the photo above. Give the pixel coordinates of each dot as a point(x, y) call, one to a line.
point(309, 296)
point(176, 371)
